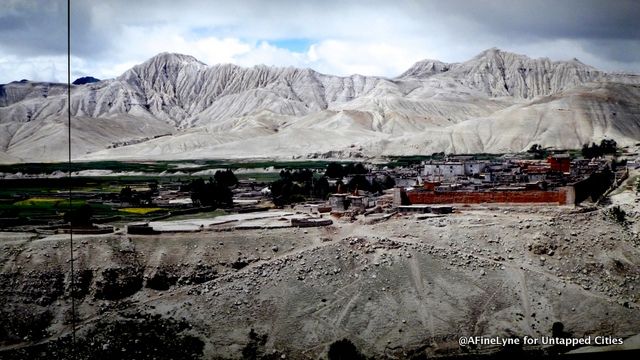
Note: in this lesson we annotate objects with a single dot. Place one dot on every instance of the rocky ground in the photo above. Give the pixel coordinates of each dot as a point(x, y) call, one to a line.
point(401, 288)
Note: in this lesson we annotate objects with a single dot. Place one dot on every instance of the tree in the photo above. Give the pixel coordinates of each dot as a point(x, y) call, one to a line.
point(359, 182)
point(355, 169)
point(304, 175)
point(534, 148)
point(376, 186)
point(334, 171)
point(321, 188)
point(592, 151)
point(126, 194)
point(210, 194)
point(359, 168)
point(388, 182)
point(80, 216)
point(608, 146)
point(197, 189)
point(294, 186)
point(438, 155)
point(153, 187)
point(538, 151)
point(285, 191)
point(226, 178)
point(133, 197)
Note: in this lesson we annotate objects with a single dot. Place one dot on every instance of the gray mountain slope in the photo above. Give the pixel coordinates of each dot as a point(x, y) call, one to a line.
point(495, 102)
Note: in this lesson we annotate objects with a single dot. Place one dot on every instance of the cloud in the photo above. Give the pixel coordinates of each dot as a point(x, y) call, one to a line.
point(270, 54)
point(569, 19)
point(33, 28)
point(340, 37)
point(375, 58)
point(38, 68)
point(143, 42)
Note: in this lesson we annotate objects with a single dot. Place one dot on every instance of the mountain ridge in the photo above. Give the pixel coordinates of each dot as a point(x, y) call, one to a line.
point(435, 101)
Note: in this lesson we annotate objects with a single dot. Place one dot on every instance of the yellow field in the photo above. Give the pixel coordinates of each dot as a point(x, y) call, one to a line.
point(140, 211)
point(47, 202)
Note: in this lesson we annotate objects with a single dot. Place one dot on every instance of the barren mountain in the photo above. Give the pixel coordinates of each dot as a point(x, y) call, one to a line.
point(495, 102)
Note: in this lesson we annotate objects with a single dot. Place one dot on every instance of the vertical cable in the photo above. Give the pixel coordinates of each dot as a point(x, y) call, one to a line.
point(72, 278)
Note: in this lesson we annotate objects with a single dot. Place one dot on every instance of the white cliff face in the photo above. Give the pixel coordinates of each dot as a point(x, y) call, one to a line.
point(499, 73)
point(495, 102)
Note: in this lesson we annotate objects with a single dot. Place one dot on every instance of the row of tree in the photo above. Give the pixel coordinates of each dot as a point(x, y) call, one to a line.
point(337, 170)
point(291, 187)
point(607, 146)
point(299, 185)
point(296, 186)
point(216, 192)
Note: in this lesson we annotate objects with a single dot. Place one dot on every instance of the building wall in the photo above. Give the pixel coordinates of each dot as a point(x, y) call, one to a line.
point(449, 170)
point(559, 197)
point(337, 202)
point(405, 182)
point(560, 164)
point(473, 168)
point(397, 196)
point(443, 170)
point(594, 186)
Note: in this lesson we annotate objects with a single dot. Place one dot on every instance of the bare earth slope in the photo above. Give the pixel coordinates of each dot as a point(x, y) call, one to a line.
point(412, 288)
point(220, 111)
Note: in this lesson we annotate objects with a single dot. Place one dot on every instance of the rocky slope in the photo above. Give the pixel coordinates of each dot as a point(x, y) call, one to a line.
point(409, 291)
point(229, 111)
point(500, 73)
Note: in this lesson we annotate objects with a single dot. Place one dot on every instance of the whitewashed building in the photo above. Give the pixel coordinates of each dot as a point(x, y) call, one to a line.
point(450, 170)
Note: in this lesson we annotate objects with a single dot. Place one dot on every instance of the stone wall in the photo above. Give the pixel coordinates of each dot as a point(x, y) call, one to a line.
point(559, 197)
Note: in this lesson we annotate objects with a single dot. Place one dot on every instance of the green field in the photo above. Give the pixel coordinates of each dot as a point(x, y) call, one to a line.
point(37, 207)
point(395, 161)
point(259, 177)
point(160, 166)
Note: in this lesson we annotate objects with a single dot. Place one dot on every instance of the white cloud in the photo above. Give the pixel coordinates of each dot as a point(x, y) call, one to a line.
point(143, 42)
point(351, 57)
point(374, 37)
point(37, 68)
point(267, 54)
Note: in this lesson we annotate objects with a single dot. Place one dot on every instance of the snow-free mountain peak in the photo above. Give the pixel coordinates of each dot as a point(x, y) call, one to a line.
point(172, 58)
point(425, 68)
point(175, 106)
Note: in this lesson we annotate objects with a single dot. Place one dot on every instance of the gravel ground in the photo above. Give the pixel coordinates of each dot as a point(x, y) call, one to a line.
point(400, 288)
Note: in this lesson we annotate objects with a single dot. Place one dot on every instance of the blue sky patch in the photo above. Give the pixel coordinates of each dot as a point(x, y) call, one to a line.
point(296, 45)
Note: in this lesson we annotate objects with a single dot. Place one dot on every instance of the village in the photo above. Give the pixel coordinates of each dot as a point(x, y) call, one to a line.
point(341, 192)
point(551, 236)
point(440, 236)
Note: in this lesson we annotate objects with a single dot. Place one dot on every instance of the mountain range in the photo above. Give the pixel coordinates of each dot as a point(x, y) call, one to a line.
point(173, 106)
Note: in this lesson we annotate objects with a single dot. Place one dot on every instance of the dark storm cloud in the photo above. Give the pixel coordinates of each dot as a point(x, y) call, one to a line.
point(625, 51)
point(109, 35)
point(606, 30)
point(33, 27)
point(39, 28)
point(576, 19)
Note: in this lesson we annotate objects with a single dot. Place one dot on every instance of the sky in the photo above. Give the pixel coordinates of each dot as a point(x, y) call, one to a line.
point(339, 37)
